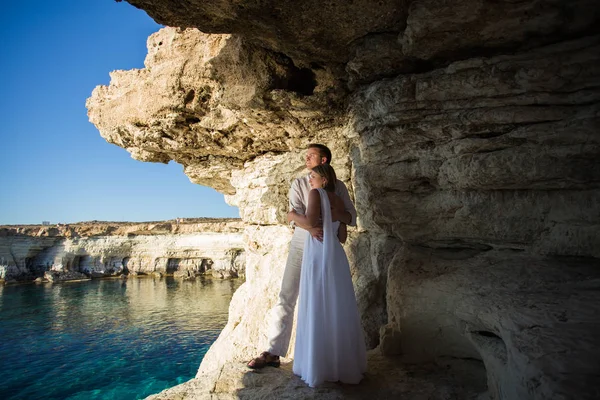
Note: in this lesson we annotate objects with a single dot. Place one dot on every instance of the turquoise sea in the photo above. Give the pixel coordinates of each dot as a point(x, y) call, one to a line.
point(107, 339)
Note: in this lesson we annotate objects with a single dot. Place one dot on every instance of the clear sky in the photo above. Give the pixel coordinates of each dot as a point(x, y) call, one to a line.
point(54, 165)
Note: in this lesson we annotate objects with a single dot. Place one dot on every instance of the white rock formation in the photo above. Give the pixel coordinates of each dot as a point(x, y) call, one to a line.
point(468, 134)
point(131, 249)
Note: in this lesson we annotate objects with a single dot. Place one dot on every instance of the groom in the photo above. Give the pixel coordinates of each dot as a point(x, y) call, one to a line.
point(280, 328)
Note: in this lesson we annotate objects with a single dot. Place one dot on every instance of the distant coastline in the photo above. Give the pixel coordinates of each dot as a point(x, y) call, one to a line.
point(185, 247)
point(193, 220)
point(121, 228)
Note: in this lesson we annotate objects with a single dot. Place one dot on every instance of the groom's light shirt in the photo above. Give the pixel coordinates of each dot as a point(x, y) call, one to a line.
point(299, 197)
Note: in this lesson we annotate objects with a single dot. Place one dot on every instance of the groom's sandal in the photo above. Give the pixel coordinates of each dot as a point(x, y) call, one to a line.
point(265, 359)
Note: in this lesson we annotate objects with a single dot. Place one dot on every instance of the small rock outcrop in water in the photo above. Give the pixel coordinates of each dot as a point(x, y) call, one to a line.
point(183, 248)
point(63, 276)
point(468, 134)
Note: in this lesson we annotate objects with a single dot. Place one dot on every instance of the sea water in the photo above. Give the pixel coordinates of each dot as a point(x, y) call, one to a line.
point(107, 339)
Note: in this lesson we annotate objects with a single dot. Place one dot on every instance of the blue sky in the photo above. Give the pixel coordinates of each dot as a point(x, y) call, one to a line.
point(54, 165)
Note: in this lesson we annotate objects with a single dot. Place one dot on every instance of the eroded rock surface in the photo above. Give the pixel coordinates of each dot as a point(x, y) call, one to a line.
point(468, 134)
point(185, 248)
point(213, 102)
point(310, 31)
point(388, 378)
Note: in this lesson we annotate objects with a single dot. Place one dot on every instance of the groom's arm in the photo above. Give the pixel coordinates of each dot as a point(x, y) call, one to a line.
point(296, 199)
point(296, 203)
point(348, 216)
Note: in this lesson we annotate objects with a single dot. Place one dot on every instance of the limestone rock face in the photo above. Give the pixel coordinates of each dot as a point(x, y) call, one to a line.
point(330, 32)
point(448, 30)
point(130, 249)
point(211, 103)
point(501, 150)
point(467, 133)
point(487, 203)
point(309, 30)
point(389, 378)
point(529, 319)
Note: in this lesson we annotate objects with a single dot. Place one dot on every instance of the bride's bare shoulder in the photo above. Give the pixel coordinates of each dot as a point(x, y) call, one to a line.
point(314, 193)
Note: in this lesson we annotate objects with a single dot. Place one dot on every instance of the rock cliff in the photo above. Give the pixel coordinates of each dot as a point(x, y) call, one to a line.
point(467, 132)
point(186, 248)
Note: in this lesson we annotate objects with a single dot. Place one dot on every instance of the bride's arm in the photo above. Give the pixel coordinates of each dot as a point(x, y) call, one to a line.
point(313, 212)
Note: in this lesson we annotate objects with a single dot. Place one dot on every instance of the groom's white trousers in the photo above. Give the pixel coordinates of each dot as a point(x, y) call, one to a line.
point(282, 315)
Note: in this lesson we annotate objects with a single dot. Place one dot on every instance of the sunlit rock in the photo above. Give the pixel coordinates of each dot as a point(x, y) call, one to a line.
point(62, 276)
point(467, 133)
point(211, 103)
point(111, 249)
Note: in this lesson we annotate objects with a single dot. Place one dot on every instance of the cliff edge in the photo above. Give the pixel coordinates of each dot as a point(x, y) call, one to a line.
point(95, 249)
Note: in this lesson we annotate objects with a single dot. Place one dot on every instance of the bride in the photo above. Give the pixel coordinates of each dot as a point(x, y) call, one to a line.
point(329, 340)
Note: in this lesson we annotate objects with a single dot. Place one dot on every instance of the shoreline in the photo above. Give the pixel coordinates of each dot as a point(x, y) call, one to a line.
point(207, 276)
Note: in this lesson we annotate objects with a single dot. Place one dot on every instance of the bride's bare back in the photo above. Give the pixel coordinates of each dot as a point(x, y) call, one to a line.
point(337, 206)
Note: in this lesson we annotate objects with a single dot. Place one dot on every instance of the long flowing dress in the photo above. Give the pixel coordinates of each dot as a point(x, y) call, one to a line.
point(330, 344)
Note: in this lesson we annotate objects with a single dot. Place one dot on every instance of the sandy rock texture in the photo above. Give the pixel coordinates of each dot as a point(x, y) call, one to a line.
point(309, 31)
point(212, 103)
point(493, 197)
point(467, 132)
point(97, 249)
point(388, 378)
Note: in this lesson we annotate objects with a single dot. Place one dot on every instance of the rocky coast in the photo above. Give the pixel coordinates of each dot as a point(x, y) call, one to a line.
point(468, 135)
point(185, 248)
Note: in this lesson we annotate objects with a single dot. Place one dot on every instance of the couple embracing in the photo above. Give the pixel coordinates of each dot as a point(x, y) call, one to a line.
point(329, 339)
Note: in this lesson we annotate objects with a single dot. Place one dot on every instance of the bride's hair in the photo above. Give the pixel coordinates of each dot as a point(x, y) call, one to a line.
point(326, 171)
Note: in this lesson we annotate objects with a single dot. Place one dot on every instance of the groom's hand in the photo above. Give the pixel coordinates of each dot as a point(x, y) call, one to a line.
point(338, 214)
point(317, 233)
point(290, 215)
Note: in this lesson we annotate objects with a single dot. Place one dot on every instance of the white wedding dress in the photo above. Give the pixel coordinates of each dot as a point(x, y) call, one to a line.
point(330, 344)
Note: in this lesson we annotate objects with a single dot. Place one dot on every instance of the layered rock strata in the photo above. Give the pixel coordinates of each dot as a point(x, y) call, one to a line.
point(468, 134)
point(185, 249)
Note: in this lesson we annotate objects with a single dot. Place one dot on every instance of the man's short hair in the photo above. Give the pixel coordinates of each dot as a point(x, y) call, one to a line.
point(323, 150)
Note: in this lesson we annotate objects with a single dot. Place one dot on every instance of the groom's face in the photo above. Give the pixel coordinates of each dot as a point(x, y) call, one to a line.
point(313, 158)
